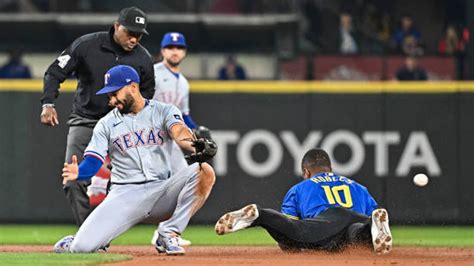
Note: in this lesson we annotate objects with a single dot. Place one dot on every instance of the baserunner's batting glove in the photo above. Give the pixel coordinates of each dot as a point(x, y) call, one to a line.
point(202, 132)
point(205, 150)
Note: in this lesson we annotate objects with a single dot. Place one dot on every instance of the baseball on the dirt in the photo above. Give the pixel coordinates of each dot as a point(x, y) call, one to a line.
point(420, 180)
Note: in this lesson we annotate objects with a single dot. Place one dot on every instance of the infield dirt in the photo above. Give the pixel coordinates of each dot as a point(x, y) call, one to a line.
point(258, 255)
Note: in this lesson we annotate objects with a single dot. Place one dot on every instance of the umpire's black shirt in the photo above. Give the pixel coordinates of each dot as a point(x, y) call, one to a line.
point(89, 57)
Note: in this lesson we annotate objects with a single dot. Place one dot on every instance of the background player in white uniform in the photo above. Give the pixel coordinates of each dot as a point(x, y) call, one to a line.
point(137, 136)
point(172, 87)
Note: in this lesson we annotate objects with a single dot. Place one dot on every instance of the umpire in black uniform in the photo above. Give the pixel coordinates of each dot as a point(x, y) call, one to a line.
point(89, 57)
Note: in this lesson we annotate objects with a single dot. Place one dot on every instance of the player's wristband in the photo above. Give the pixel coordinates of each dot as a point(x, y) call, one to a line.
point(189, 121)
point(88, 168)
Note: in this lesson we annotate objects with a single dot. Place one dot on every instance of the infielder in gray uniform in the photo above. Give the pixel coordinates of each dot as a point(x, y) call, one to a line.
point(137, 135)
point(172, 87)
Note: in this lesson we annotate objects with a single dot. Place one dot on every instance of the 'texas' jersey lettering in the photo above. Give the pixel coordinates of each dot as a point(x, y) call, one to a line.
point(138, 144)
point(142, 137)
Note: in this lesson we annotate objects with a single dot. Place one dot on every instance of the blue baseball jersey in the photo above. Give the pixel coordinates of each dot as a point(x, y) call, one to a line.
point(314, 195)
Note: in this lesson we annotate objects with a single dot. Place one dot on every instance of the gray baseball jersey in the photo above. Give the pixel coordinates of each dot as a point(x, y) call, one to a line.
point(174, 90)
point(139, 148)
point(170, 88)
point(139, 145)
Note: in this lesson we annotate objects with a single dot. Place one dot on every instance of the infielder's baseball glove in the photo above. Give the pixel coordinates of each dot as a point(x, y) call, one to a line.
point(202, 132)
point(205, 150)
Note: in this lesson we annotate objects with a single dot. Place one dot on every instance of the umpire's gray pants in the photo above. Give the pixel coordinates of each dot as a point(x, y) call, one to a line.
point(127, 205)
point(78, 138)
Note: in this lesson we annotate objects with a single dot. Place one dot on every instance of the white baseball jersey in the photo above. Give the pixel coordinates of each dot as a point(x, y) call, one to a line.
point(171, 89)
point(139, 144)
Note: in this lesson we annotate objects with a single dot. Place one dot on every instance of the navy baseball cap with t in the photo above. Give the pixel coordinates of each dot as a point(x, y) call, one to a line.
point(118, 77)
point(134, 19)
point(173, 39)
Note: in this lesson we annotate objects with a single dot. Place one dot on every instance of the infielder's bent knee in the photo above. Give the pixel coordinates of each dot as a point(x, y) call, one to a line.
point(82, 247)
point(207, 174)
point(207, 178)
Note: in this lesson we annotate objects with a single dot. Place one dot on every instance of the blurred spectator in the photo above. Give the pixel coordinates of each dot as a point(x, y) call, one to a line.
point(232, 70)
point(411, 70)
point(369, 27)
point(313, 21)
point(407, 39)
point(348, 36)
point(451, 44)
point(454, 44)
point(14, 68)
point(411, 46)
point(383, 33)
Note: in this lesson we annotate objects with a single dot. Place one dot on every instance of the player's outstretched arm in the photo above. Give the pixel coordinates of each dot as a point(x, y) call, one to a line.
point(183, 136)
point(202, 149)
point(85, 171)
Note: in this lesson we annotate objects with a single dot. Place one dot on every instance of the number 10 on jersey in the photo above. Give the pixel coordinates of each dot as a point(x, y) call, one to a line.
point(333, 195)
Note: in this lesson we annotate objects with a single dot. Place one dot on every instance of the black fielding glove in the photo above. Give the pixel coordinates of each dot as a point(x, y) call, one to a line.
point(205, 150)
point(202, 132)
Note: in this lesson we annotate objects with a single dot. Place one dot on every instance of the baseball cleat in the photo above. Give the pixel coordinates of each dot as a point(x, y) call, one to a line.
point(237, 220)
point(182, 242)
point(169, 245)
point(381, 236)
point(63, 245)
point(104, 248)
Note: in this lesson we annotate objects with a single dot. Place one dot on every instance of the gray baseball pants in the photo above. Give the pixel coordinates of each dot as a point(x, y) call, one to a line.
point(76, 192)
point(170, 202)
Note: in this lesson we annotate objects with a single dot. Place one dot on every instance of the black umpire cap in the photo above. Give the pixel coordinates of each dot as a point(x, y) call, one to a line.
point(134, 19)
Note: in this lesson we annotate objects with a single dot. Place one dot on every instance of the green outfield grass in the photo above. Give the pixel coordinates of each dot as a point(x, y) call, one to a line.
point(428, 236)
point(441, 236)
point(12, 258)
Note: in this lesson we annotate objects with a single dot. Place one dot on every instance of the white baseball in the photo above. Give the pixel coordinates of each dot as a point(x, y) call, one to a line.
point(420, 180)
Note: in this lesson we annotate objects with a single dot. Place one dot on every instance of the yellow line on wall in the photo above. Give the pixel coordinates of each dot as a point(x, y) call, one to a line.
point(280, 86)
point(32, 85)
